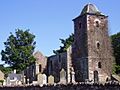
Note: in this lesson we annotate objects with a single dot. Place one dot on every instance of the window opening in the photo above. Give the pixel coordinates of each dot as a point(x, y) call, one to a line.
point(40, 67)
point(99, 65)
point(97, 23)
point(98, 45)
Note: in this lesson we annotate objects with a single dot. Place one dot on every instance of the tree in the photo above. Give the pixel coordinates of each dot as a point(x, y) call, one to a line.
point(66, 43)
point(5, 70)
point(19, 50)
point(116, 48)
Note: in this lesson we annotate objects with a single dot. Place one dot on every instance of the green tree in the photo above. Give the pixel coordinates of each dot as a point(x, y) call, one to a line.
point(66, 43)
point(19, 50)
point(116, 48)
point(5, 70)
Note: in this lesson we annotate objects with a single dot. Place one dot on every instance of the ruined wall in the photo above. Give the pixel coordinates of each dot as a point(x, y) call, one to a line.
point(70, 68)
point(55, 64)
point(40, 60)
point(66, 87)
point(39, 66)
point(54, 67)
point(80, 50)
point(29, 74)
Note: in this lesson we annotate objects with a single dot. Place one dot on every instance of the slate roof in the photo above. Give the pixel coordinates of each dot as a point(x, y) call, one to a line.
point(90, 8)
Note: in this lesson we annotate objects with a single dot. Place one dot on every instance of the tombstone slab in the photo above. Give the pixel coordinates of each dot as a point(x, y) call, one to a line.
point(51, 79)
point(62, 76)
point(44, 79)
point(40, 79)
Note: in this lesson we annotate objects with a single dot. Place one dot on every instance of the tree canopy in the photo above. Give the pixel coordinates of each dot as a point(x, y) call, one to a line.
point(5, 70)
point(66, 43)
point(116, 48)
point(19, 49)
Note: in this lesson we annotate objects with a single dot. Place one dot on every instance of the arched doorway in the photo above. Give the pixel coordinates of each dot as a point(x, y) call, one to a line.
point(96, 78)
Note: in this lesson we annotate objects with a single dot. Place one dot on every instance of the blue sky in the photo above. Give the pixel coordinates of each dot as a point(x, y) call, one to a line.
point(50, 20)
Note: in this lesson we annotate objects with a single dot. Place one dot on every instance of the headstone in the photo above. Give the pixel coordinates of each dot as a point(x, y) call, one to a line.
point(50, 79)
point(4, 83)
point(44, 79)
point(40, 79)
point(62, 76)
point(24, 80)
point(28, 81)
point(8, 81)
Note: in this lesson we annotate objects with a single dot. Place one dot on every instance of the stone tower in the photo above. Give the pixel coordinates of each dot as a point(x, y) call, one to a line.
point(92, 52)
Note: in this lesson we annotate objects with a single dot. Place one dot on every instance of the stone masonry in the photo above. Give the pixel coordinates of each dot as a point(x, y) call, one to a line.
point(92, 52)
point(89, 58)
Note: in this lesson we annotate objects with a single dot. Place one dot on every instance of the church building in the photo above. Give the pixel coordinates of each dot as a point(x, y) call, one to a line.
point(90, 56)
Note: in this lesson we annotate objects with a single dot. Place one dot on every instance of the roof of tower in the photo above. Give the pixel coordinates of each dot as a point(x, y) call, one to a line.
point(90, 8)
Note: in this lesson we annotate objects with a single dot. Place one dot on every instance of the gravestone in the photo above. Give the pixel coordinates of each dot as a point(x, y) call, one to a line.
point(40, 79)
point(62, 76)
point(8, 81)
point(44, 79)
point(28, 81)
point(24, 80)
point(51, 79)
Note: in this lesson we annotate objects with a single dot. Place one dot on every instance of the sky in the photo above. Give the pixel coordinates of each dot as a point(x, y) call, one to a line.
point(50, 20)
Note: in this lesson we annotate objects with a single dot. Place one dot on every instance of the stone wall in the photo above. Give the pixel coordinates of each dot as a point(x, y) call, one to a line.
point(92, 52)
point(55, 64)
point(33, 70)
point(80, 49)
point(67, 87)
point(99, 48)
point(41, 62)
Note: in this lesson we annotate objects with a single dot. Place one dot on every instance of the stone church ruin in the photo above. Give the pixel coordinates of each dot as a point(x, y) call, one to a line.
point(89, 58)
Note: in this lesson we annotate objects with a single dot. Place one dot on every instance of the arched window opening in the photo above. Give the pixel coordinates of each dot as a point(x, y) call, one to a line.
point(98, 45)
point(96, 77)
point(97, 23)
point(99, 65)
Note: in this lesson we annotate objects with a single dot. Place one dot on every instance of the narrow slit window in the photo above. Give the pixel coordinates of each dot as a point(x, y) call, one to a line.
point(51, 65)
point(99, 65)
point(98, 45)
point(40, 68)
point(59, 58)
point(80, 25)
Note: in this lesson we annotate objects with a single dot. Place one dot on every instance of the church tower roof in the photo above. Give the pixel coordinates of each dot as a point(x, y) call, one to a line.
point(91, 9)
